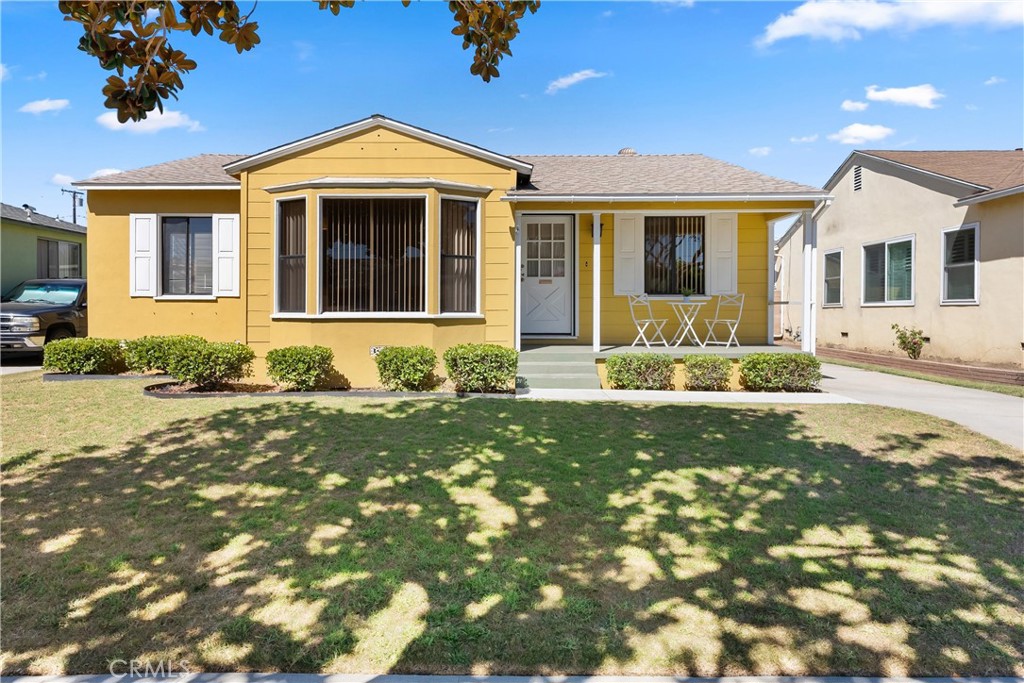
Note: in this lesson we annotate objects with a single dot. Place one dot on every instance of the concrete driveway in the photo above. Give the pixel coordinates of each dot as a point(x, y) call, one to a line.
point(20, 362)
point(996, 415)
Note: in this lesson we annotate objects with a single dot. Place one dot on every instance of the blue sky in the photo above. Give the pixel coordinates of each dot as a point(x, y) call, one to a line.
point(761, 84)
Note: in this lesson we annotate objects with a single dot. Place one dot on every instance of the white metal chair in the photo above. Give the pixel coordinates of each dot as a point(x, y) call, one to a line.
point(727, 313)
point(649, 329)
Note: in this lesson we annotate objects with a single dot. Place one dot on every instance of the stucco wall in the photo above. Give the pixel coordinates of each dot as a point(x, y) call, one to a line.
point(18, 255)
point(893, 203)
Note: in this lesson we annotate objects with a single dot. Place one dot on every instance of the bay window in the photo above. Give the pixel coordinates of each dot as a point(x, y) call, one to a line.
point(186, 255)
point(458, 255)
point(960, 264)
point(291, 256)
point(373, 255)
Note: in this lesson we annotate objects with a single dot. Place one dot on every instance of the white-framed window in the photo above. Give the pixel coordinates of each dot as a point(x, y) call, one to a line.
point(184, 256)
point(58, 259)
point(833, 278)
point(373, 254)
point(459, 255)
point(960, 265)
point(888, 272)
point(674, 255)
point(290, 252)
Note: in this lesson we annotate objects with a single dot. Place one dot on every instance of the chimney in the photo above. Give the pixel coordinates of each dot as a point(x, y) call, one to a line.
point(627, 152)
point(29, 210)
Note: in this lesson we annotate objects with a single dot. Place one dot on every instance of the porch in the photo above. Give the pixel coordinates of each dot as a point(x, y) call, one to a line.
point(574, 366)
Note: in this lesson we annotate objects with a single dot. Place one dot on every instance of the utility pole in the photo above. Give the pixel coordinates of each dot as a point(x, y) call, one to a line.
point(76, 201)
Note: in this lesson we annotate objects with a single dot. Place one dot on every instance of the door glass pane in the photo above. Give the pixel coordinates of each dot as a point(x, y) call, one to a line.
point(559, 232)
point(558, 268)
point(545, 231)
point(545, 269)
point(558, 250)
point(545, 249)
point(531, 250)
point(531, 231)
point(900, 272)
point(874, 274)
point(531, 268)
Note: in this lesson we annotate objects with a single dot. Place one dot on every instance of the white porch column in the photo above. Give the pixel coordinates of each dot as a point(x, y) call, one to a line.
point(596, 267)
point(808, 334)
point(516, 299)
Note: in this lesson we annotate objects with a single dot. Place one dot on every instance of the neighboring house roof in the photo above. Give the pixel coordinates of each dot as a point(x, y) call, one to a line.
point(649, 175)
point(34, 218)
point(206, 170)
point(377, 121)
point(983, 174)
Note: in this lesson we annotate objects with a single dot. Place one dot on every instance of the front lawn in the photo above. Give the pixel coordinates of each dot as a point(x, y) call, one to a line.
point(499, 536)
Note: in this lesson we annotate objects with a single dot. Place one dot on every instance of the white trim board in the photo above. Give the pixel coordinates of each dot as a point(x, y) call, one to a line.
point(612, 198)
point(386, 183)
point(156, 186)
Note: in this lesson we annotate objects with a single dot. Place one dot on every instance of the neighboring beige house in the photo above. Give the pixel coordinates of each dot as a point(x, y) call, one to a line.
point(932, 239)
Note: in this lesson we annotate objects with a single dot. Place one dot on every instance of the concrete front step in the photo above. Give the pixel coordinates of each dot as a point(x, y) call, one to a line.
point(567, 382)
point(555, 357)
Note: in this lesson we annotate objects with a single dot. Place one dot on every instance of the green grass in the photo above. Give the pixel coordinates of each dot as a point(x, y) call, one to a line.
point(498, 536)
point(1008, 389)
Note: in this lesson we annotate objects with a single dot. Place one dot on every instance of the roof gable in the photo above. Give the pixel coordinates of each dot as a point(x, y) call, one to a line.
point(363, 125)
point(972, 170)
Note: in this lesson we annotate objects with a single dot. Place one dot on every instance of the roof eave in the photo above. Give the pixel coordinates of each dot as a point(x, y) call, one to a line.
point(374, 183)
point(844, 167)
point(366, 124)
point(676, 198)
point(86, 185)
point(989, 196)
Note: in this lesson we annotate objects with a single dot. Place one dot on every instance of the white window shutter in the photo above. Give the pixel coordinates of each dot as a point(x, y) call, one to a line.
point(226, 254)
point(629, 254)
point(142, 241)
point(723, 251)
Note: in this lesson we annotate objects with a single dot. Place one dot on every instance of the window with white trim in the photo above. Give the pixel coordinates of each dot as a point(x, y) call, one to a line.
point(373, 255)
point(458, 255)
point(58, 259)
point(889, 272)
point(960, 264)
point(674, 255)
point(186, 255)
point(833, 275)
point(291, 256)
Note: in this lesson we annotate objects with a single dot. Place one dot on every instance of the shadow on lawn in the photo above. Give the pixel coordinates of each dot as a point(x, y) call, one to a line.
point(524, 537)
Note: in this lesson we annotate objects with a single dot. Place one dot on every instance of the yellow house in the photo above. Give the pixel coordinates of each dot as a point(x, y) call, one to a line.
point(381, 233)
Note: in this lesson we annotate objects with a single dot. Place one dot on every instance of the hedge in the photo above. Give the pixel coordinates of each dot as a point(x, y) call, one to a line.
point(707, 373)
point(302, 368)
point(84, 356)
point(209, 364)
point(406, 368)
point(641, 371)
point(484, 368)
point(780, 372)
point(154, 353)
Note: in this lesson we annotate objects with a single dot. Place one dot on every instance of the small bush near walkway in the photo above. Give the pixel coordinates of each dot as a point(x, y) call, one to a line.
point(780, 372)
point(84, 356)
point(209, 364)
point(483, 368)
point(302, 368)
point(147, 354)
point(641, 371)
point(406, 368)
point(707, 373)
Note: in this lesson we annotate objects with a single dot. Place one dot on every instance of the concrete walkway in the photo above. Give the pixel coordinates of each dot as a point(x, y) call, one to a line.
point(683, 396)
point(996, 415)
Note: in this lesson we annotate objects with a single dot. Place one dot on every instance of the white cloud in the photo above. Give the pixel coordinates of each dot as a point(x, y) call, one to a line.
point(853, 105)
point(607, 14)
point(572, 79)
point(41, 106)
point(839, 20)
point(672, 4)
point(154, 123)
point(923, 96)
point(995, 80)
point(61, 179)
point(804, 139)
point(36, 77)
point(99, 173)
point(5, 73)
point(859, 133)
point(971, 107)
point(760, 151)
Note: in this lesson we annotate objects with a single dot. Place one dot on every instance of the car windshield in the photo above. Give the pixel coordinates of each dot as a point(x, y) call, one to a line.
point(44, 293)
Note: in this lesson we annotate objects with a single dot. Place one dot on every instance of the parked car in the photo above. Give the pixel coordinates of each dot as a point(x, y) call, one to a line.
point(37, 312)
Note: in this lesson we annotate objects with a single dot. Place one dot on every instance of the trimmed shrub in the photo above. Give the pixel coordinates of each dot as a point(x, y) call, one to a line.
point(641, 371)
point(483, 368)
point(302, 368)
point(209, 364)
point(84, 356)
point(707, 373)
point(154, 353)
point(406, 368)
point(780, 372)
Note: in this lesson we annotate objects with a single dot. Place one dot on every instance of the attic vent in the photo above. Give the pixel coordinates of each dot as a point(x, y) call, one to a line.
point(856, 179)
point(627, 152)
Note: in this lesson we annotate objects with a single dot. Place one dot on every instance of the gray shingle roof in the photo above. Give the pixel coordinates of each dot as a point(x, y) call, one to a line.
point(16, 213)
point(661, 174)
point(204, 169)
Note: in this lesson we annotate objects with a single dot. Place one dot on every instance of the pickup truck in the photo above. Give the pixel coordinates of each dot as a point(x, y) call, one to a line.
point(39, 311)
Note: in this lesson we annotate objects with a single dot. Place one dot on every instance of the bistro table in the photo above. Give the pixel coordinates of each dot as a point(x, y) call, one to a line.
point(686, 311)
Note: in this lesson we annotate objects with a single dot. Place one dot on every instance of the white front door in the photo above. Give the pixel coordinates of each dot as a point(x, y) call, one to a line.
point(547, 277)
